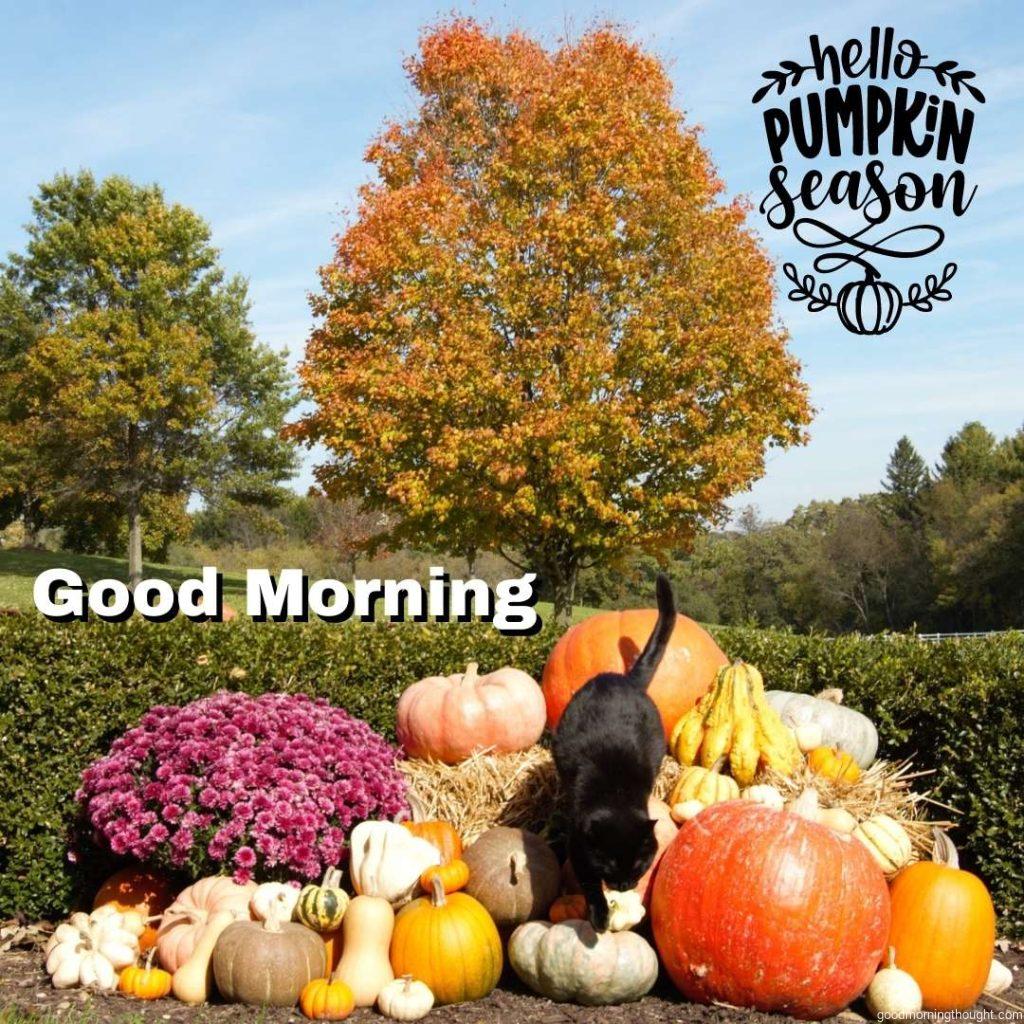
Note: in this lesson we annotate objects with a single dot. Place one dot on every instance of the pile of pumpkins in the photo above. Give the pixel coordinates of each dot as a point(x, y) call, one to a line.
point(754, 901)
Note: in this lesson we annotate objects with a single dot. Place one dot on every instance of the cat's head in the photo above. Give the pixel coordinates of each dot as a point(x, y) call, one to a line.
point(620, 845)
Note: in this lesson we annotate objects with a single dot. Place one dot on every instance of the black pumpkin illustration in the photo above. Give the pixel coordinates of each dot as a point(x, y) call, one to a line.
point(871, 306)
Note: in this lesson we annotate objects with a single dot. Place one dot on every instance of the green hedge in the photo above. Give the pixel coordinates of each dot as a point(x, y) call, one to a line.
point(66, 691)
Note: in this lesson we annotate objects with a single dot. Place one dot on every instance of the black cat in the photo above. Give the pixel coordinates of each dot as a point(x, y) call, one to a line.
point(608, 748)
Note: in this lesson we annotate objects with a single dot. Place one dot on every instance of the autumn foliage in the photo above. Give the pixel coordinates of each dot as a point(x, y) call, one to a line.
point(543, 332)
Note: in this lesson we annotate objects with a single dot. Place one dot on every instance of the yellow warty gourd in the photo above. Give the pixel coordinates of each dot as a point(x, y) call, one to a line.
point(734, 720)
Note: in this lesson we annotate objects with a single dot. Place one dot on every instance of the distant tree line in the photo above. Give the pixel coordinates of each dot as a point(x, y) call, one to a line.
point(939, 549)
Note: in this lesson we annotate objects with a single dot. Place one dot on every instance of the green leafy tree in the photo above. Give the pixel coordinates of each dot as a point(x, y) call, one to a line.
point(140, 377)
point(969, 457)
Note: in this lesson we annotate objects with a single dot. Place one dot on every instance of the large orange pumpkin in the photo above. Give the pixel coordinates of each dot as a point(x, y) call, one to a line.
point(612, 641)
point(764, 908)
point(448, 718)
point(138, 888)
point(450, 943)
point(943, 928)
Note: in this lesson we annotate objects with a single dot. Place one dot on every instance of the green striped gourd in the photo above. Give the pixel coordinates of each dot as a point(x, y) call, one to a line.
point(322, 907)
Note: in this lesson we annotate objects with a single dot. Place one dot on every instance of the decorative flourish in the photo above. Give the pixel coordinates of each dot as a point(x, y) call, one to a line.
point(934, 290)
point(872, 305)
point(788, 74)
point(804, 290)
point(946, 73)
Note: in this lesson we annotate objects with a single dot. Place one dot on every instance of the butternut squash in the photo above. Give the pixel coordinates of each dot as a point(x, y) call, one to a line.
point(193, 980)
point(365, 965)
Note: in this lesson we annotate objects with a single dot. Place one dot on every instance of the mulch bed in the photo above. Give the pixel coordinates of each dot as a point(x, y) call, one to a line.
point(25, 986)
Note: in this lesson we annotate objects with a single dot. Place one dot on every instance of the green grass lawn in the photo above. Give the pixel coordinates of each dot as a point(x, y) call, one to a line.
point(18, 571)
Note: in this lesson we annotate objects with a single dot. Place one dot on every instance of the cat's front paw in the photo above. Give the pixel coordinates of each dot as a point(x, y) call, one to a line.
point(599, 915)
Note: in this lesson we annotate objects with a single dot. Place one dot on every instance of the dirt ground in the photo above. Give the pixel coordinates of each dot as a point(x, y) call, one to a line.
point(25, 987)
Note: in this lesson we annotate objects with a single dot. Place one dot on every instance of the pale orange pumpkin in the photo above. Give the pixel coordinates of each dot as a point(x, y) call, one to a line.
point(943, 928)
point(449, 718)
point(186, 918)
point(612, 641)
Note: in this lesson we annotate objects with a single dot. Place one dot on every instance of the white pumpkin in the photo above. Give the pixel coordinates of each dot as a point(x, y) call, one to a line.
point(89, 950)
point(1000, 978)
point(405, 998)
point(387, 860)
point(840, 726)
point(274, 899)
point(625, 909)
point(893, 994)
point(808, 736)
point(571, 963)
point(887, 842)
point(764, 794)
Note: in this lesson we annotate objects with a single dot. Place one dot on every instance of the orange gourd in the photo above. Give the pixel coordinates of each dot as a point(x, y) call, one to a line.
point(450, 943)
point(943, 928)
point(147, 982)
point(612, 641)
point(439, 834)
point(568, 908)
point(321, 999)
point(454, 875)
point(449, 718)
point(138, 888)
point(835, 765)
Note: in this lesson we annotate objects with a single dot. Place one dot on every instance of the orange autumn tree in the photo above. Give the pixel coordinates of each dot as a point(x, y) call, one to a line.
point(544, 333)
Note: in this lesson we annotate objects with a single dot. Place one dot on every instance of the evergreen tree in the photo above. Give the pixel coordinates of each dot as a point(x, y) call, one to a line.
point(906, 479)
point(970, 456)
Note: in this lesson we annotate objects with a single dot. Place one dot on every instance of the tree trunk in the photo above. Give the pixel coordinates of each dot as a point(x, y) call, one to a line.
point(134, 546)
point(563, 587)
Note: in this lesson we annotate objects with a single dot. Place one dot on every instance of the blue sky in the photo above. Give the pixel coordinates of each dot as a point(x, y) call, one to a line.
point(257, 115)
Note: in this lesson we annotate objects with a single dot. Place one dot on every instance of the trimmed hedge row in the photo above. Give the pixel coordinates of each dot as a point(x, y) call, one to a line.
point(66, 691)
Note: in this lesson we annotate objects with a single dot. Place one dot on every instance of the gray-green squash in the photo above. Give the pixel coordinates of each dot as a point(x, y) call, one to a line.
point(840, 726)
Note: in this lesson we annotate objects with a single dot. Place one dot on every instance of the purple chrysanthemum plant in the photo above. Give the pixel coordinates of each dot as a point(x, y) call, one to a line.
point(262, 787)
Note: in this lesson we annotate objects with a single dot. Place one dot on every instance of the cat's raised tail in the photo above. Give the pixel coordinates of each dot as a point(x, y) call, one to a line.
point(642, 671)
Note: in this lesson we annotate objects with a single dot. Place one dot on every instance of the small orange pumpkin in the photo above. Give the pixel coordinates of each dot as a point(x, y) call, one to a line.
point(439, 834)
point(943, 928)
point(322, 999)
point(147, 982)
point(454, 875)
point(568, 908)
point(835, 765)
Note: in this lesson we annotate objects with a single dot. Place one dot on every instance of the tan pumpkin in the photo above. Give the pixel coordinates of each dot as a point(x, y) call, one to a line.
point(513, 873)
point(269, 962)
point(185, 920)
point(449, 718)
point(365, 965)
